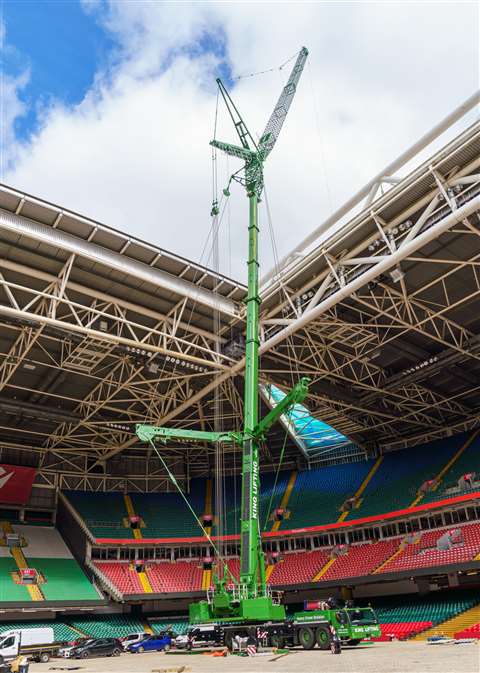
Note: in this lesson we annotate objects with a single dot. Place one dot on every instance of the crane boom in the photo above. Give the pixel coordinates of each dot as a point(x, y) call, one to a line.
point(275, 123)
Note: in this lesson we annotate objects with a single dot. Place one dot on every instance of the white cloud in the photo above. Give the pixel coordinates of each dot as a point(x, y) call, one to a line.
point(11, 106)
point(135, 152)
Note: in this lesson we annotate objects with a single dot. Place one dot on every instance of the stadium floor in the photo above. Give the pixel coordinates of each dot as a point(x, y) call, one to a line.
point(411, 657)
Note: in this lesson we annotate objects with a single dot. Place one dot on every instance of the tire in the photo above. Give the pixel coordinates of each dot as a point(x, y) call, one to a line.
point(141, 649)
point(323, 637)
point(116, 652)
point(228, 642)
point(306, 638)
point(277, 641)
point(84, 655)
point(166, 648)
point(44, 657)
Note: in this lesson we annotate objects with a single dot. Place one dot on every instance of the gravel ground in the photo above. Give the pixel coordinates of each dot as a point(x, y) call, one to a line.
point(407, 657)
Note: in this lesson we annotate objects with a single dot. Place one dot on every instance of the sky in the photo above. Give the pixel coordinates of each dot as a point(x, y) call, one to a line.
point(107, 107)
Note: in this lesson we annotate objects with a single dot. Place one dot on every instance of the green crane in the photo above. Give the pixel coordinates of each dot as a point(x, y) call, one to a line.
point(250, 599)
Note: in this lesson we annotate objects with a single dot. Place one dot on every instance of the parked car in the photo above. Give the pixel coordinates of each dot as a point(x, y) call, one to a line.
point(160, 641)
point(99, 647)
point(133, 638)
point(67, 650)
point(200, 636)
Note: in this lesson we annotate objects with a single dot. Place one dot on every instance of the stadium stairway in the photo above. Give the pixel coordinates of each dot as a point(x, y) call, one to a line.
point(208, 510)
point(450, 627)
point(467, 461)
point(269, 570)
point(396, 482)
point(324, 569)
point(17, 554)
point(362, 487)
point(145, 582)
point(137, 533)
point(33, 589)
point(319, 493)
point(206, 579)
point(446, 468)
point(396, 553)
point(286, 497)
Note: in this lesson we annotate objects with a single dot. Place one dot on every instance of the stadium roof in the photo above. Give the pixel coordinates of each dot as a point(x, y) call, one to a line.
point(99, 330)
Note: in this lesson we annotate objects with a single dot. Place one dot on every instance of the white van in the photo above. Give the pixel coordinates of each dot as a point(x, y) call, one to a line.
point(39, 644)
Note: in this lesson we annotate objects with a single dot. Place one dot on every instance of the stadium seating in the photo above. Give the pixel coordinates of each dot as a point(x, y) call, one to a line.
point(108, 626)
point(406, 616)
point(234, 567)
point(471, 632)
point(164, 577)
point(468, 461)
point(167, 515)
point(361, 559)
point(46, 552)
point(401, 630)
point(318, 494)
point(103, 513)
point(297, 568)
point(232, 494)
point(316, 498)
point(395, 484)
point(64, 580)
point(181, 576)
point(9, 590)
point(121, 575)
point(63, 632)
point(178, 626)
point(424, 553)
point(164, 514)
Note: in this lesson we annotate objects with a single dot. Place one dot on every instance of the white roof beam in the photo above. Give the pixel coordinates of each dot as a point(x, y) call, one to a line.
point(99, 255)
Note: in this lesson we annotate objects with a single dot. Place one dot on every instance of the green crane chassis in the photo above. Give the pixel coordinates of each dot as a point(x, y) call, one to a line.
point(306, 629)
point(273, 634)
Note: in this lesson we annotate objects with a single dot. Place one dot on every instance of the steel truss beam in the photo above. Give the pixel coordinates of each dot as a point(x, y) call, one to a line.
point(88, 250)
point(369, 191)
point(331, 328)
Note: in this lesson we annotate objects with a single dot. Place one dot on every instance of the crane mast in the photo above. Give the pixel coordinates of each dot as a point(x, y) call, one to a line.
point(250, 599)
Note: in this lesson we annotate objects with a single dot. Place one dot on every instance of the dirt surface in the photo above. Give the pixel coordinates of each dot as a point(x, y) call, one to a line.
point(408, 657)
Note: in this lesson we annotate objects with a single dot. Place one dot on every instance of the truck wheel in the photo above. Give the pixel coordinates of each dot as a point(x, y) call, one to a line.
point(306, 638)
point(229, 642)
point(277, 641)
point(44, 657)
point(117, 652)
point(323, 637)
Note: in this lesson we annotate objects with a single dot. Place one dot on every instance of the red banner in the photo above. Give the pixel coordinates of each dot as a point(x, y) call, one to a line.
point(15, 484)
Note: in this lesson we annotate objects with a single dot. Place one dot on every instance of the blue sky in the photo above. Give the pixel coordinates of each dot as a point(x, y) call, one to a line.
point(60, 45)
point(116, 100)
point(63, 46)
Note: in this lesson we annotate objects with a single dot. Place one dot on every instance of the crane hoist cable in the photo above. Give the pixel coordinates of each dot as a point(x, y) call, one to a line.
point(177, 486)
point(264, 72)
point(280, 461)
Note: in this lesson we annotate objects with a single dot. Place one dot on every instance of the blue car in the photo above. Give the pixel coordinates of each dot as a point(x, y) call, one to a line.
point(156, 642)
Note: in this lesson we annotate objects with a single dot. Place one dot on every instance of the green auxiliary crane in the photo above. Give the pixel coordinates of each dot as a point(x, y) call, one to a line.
point(249, 600)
